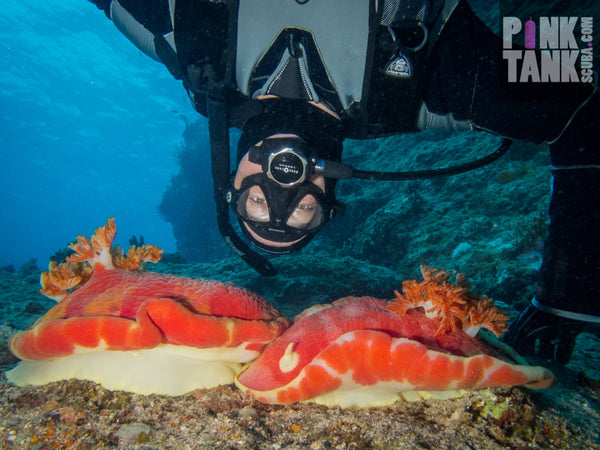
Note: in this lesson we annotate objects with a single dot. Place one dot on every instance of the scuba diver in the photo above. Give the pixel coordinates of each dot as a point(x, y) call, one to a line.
point(299, 78)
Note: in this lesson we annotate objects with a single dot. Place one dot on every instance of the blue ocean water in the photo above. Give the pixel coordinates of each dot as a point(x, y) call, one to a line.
point(88, 128)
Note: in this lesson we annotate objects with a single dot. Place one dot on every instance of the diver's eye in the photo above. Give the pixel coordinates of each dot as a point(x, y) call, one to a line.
point(256, 205)
point(259, 200)
point(306, 206)
point(304, 213)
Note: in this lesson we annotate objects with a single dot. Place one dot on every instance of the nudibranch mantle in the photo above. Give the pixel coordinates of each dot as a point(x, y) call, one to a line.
point(140, 331)
point(362, 352)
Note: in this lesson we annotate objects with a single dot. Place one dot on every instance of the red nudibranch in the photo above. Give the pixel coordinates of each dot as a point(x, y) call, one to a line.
point(140, 331)
point(157, 333)
point(368, 352)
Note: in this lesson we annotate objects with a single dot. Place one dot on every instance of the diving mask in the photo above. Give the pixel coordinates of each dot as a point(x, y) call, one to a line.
point(281, 219)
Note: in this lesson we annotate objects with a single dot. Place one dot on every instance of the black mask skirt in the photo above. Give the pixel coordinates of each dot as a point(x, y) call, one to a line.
point(281, 203)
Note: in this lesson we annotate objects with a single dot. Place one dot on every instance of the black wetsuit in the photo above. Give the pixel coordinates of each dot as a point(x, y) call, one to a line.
point(571, 269)
point(459, 78)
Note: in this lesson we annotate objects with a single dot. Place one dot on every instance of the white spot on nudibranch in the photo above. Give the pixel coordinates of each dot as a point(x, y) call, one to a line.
point(289, 360)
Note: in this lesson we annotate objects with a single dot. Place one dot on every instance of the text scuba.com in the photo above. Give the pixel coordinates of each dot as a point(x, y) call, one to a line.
point(552, 51)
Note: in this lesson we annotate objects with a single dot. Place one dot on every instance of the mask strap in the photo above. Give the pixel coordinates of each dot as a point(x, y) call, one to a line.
point(218, 127)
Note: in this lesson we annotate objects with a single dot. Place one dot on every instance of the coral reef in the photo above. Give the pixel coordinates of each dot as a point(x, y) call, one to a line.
point(477, 222)
point(400, 225)
point(80, 414)
point(188, 202)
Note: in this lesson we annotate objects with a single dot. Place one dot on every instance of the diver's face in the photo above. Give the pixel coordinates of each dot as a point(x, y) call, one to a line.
point(257, 207)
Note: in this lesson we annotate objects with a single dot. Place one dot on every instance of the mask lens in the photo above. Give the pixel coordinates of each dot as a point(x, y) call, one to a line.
point(307, 215)
point(301, 215)
point(252, 205)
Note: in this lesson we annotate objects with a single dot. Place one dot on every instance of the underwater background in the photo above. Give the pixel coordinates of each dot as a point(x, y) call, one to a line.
point(93, 128)
point(90, 128)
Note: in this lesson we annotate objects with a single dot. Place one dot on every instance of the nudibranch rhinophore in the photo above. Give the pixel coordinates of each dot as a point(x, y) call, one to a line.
point(370, 352)
point(140, 331)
